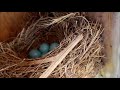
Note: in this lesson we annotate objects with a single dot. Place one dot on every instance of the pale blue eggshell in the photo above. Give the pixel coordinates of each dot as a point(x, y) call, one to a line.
point(34, 53)
point(53, 45)
point(44, 48)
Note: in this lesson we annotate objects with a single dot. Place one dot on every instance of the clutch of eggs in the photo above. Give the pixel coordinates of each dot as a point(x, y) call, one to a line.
point(43, 49)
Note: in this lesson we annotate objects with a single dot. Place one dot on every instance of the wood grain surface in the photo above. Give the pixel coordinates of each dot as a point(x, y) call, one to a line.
point(11, 23)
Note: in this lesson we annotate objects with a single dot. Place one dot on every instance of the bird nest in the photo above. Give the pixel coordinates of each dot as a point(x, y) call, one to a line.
point(79, 54)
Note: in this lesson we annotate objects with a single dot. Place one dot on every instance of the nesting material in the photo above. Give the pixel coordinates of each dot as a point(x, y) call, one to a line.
point(79, 54)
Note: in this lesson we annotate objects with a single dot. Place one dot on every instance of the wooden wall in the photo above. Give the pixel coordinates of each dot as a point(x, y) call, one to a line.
point(11, 23)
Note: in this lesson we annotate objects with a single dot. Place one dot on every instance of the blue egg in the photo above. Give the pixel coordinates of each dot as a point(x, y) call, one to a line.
point(53, 45)
point(44, 48)
point(34, 53)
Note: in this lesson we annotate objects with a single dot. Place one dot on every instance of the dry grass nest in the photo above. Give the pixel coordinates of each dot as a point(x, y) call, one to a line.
point(79, 55)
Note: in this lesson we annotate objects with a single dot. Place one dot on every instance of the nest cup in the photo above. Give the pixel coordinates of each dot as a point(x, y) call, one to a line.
point(82, 57)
